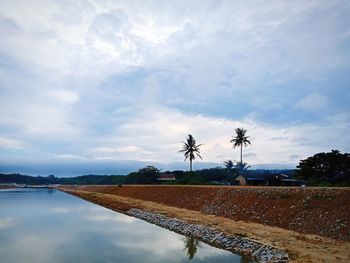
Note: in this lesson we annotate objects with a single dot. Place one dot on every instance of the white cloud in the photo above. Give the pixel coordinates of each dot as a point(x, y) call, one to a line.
point(160, 130)
point(11, 143)
point(63, 96)
point(312, 102)
point(128, 149)
point(94, 79)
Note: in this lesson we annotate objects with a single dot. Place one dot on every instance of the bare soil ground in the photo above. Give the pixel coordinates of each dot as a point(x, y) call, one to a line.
point(311, 224)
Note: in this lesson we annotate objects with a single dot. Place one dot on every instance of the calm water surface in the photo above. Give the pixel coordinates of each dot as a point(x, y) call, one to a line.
point(45, 225)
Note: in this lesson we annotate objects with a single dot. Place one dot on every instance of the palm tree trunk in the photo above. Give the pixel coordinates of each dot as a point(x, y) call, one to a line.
point(241, 154)
point(190, 165)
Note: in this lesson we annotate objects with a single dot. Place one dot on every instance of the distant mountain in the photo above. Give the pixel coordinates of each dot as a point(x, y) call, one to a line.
point(51, 179)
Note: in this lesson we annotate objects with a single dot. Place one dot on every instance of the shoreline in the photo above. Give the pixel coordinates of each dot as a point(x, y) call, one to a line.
point(301, 248)
point(236, 244)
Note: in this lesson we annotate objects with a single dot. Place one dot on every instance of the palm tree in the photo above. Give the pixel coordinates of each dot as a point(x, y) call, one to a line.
point(242, 166)
point(240, 139)
point(190, 150)
point(229, 165)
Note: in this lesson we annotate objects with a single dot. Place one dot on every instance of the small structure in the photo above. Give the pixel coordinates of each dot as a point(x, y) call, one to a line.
point(245, 179)
point(267, 179)
point(164, 177)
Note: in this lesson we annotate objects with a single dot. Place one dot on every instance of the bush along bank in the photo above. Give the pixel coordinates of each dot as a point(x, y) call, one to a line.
point(260, 252)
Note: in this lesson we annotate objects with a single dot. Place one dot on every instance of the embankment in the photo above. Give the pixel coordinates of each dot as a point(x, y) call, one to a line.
point(310, 224)
point(320, 211)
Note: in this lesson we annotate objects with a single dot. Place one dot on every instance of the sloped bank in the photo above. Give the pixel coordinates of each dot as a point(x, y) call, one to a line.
point(262, 253)
point(301, 248)
point(319, 211)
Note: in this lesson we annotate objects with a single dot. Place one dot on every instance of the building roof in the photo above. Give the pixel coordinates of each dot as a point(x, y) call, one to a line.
point(265, 176)
point(166, 177)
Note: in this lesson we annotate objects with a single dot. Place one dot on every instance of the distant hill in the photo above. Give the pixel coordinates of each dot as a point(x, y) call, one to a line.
point(204, 176)
point(84, 179)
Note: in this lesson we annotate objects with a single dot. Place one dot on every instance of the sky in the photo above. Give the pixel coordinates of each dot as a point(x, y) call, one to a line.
point(111, 86)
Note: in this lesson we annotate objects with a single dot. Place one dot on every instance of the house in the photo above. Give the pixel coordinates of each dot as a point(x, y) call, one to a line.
point(267, 179)
point(164, 177)
point(247, 179)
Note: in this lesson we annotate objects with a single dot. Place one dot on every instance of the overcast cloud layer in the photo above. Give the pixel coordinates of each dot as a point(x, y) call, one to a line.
point(117, 81)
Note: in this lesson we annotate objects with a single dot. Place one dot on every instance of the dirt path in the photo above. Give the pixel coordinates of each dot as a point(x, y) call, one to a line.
point(300, 247)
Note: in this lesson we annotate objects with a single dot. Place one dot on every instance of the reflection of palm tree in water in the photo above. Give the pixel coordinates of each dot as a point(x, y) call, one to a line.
point(245, 260)
point(191, 245)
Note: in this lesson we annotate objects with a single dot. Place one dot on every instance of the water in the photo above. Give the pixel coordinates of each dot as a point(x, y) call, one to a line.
point(45, 225)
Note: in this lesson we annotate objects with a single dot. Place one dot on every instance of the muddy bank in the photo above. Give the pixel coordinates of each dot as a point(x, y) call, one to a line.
point(320, 211)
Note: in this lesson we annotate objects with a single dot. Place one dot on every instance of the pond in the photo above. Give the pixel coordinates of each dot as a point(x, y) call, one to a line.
point(46, 225)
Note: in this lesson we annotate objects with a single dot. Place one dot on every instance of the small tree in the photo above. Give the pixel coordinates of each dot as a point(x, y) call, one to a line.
point(231, 171)
point(229, 165)
point(242, 166)
point(190, 150)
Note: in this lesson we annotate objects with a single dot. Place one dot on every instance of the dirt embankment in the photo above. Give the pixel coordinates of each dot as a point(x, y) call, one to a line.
point(187, 203)
point(320, 211)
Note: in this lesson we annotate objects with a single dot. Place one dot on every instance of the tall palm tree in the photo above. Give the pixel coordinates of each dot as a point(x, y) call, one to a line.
point(240, 139)
point(190, 150)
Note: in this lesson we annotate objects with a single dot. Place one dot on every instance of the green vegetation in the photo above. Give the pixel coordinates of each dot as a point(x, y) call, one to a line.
point(326, 169)
point(147, 175)
point(232, 172)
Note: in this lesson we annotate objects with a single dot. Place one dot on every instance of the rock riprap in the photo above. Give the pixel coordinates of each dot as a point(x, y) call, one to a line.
point(262, 253)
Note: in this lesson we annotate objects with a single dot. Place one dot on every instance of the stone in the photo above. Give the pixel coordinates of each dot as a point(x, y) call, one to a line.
point(213, 237)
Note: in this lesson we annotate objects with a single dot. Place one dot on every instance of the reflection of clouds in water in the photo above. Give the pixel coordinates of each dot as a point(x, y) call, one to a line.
point(7, 222)
point(38, 248)
point(60, 210)
point(205, 251)
point(111, 218)
point(76, 209)
point(72, 230)
point(164, 244)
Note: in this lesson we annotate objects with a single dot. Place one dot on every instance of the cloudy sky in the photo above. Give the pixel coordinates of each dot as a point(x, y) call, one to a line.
point(123, 82)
